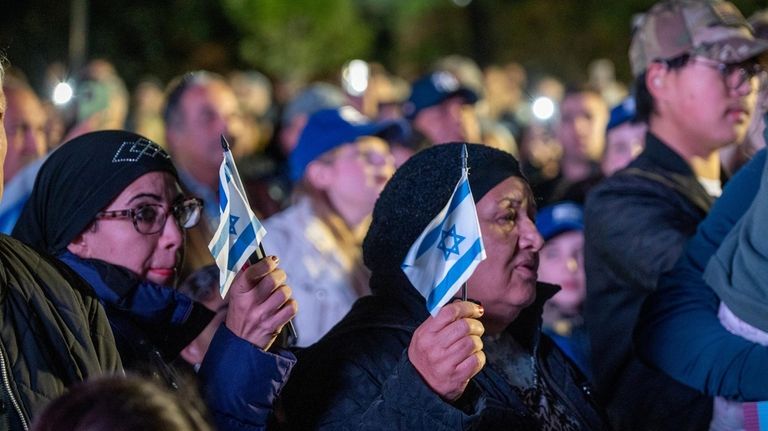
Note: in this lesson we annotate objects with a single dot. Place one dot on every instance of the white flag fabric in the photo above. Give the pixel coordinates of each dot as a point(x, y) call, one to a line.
point(446, 254)
point(240, 232)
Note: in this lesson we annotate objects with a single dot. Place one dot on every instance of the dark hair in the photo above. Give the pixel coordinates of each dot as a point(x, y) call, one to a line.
point(573, 89)
point(120, 404)
point(178, 87)
point(644, 103)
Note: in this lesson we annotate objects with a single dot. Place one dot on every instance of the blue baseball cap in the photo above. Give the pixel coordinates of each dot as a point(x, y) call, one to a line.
point(331, 128)
point(622, 113)
point(433, 89)
point(559, 218)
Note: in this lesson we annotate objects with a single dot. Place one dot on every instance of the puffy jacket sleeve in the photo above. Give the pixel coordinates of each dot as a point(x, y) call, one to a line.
point(240, 382)
point(679, 331)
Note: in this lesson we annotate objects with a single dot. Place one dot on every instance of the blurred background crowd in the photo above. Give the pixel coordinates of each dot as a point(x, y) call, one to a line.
point(322, 101)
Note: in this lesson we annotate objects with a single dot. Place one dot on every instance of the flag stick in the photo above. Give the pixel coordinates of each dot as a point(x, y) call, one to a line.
point(464, 168)
point(292, 336)
point(259, 254)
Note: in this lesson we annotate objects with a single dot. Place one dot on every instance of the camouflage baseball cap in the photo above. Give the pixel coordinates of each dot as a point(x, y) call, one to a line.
point(713, 29)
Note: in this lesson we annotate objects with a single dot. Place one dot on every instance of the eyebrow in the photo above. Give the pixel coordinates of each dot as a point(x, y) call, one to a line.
point(145, 195)
point(507, 202)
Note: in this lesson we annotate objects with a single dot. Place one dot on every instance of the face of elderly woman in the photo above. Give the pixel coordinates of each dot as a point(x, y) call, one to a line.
point(505, 282)
point(152, 257)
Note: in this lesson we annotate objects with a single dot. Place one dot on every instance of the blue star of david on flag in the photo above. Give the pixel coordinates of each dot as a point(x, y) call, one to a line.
point(455, 238)
point(231, 247)
point(435, 264)
point(232, 222)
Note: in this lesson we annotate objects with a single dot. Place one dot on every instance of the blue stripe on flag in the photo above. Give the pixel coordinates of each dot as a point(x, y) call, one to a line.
point(223, 200)
point(456, 271)
point(461, 193)
point(434, 235)
point(221, 241)
point(244, 240)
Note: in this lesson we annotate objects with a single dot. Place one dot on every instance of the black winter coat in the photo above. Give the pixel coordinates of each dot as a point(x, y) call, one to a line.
point(636, 225)
point(53, 333)
point(358, 377)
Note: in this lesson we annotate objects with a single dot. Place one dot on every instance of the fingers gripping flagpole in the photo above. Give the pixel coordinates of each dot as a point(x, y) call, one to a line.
point(238, 239)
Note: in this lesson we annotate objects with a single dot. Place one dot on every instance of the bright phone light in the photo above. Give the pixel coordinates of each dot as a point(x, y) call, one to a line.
point(543, 108)
point(355, 77)
point(62, 93)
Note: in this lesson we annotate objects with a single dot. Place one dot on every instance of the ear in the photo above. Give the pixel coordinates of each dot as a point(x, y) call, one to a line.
point(79, 246)
point(193, 354)
point(319, 174)
point(656, 80)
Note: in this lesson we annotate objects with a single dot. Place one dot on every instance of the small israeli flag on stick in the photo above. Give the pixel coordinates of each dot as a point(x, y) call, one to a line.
point(239, 233)
point(446, 254)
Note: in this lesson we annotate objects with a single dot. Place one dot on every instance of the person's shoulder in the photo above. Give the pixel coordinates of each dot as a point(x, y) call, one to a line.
point(12, 250)
point(637, 178)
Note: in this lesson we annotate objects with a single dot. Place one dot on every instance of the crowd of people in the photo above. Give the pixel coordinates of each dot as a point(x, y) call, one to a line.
point(621, 285)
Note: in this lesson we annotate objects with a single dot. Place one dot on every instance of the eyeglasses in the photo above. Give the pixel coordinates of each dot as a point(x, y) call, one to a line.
point(150, 219)
point(734, 74)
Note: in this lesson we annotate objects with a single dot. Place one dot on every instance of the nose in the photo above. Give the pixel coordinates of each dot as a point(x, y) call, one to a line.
point(530, 238)
point(571, 264)
point(582, 125)
point(172, 237)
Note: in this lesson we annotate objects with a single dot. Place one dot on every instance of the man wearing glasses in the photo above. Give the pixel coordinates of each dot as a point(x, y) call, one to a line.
point(696, 78)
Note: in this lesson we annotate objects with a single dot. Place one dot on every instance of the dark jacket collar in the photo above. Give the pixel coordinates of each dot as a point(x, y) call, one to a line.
point(142, 309)
point(660, 154)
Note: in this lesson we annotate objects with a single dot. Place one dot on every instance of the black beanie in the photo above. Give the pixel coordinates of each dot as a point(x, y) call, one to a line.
point(81, 178)
point(420, 188)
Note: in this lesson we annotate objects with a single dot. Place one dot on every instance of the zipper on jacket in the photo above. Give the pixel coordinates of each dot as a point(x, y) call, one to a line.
point(7, 387)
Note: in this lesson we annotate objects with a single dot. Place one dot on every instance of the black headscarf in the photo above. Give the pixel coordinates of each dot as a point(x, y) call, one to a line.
point(80, 179)
point(419, 189)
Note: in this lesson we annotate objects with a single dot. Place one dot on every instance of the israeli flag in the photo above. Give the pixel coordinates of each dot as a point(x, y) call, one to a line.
point(446, 254)
point(239, 233)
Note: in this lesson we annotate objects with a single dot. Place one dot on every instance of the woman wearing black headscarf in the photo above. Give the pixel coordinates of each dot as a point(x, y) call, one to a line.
point(108, 205)
point(389, 365)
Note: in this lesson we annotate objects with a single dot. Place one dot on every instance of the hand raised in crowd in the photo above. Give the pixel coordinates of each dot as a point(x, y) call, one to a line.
point(447, 351)
point(260, 303)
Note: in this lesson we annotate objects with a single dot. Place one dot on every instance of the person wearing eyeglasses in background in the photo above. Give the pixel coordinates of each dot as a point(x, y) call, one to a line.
point(108, 204)
point(696, 78)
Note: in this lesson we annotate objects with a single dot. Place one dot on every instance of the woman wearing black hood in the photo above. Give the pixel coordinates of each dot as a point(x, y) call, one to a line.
point(108, 205)
point(389, 365)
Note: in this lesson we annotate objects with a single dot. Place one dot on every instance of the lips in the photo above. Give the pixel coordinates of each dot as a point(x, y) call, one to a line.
point(165, 274)
point(737, 112)
point(528, 265)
